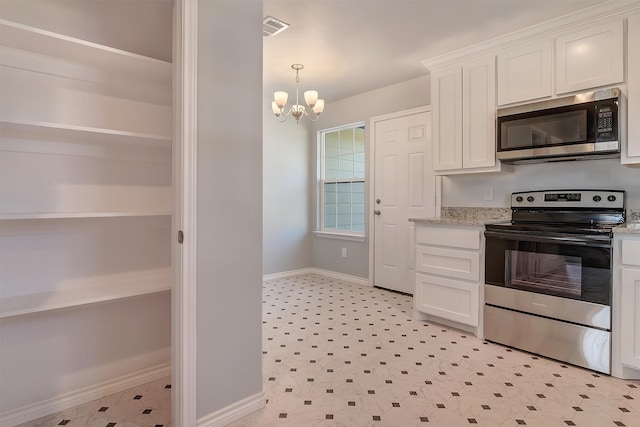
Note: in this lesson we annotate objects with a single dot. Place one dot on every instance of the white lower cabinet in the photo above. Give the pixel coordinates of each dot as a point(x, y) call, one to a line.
point(449, 274)
point(630, 303)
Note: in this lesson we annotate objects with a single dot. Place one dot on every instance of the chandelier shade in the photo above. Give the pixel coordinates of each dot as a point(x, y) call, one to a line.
point(316, 105)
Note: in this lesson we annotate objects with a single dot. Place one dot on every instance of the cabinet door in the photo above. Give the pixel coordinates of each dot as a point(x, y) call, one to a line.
point(591, 57)
point(446, 99)
point(630, 313)
point(632, 153)
point(448, 299)
point(524, 73)
point(479, 114)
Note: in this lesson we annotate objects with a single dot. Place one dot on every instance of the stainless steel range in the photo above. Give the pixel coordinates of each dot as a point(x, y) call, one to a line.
point(548, 275)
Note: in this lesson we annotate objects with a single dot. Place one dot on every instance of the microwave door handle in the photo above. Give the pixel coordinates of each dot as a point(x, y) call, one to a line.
point(555, 239)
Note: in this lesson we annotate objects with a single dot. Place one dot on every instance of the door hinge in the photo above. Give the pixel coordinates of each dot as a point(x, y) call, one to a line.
point(180, 237)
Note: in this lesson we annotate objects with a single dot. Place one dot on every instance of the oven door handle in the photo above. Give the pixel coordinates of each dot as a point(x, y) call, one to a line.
point(557, 239)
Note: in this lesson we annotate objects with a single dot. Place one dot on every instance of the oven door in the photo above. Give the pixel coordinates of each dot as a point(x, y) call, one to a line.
point(563, 265)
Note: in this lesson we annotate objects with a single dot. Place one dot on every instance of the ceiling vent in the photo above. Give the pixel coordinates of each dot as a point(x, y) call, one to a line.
point(272, 26)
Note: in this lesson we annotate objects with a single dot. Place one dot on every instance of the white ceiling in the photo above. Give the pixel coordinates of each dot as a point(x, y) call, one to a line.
point(346, 46)
point(352, 46)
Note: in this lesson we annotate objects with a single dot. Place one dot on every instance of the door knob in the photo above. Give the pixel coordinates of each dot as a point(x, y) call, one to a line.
point(377, 212)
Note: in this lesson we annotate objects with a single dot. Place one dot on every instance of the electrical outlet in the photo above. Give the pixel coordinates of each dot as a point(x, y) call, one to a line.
point(344, 252)
point(488, 193)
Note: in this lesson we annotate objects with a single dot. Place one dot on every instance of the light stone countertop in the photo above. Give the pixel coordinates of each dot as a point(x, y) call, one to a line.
point(472, 216)
point(628, 228)
point(478, 217)
point(457, 221)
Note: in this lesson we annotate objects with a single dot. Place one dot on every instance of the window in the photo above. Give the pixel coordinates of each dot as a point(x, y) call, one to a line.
point(342, 180)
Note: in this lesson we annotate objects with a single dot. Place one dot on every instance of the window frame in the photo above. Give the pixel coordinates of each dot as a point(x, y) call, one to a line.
point(334, 233)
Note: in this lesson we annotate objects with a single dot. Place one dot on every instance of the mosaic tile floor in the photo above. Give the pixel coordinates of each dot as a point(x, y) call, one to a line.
point(338, 354)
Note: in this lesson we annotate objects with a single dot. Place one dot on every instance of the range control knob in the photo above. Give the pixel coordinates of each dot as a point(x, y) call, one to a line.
point(611, 198)
point(530, 199)
point(597, 198)
point(519, 199)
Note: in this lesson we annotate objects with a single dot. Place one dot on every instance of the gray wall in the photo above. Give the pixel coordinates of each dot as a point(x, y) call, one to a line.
point(287, 204)
point(229, 197)
point(401, 96)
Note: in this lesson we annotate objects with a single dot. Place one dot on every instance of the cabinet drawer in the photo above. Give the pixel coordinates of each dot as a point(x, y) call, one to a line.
point(448, 262)
point(631, 252)
point(452, 237)
point(447, 299)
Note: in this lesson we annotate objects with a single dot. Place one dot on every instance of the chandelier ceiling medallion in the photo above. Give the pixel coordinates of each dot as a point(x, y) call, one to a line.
point(310, 97)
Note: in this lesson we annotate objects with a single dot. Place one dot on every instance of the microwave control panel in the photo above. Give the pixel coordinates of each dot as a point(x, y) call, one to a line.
point(606, 121)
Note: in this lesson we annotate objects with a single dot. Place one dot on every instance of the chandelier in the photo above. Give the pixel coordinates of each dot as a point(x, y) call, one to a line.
point(310, 97)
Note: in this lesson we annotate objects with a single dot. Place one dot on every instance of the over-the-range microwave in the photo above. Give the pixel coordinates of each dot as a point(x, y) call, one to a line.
point(583, 126)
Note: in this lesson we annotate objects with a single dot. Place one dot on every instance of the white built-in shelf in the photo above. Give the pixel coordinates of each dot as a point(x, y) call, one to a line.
point(73, 133)
point(48, 43)
point(47, 301)
point(71, 215)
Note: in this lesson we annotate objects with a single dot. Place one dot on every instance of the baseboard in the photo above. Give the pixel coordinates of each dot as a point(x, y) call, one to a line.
point(233, 412)
point(312, 270)
point(286, 274)
point(84, 395)
point(340, 276)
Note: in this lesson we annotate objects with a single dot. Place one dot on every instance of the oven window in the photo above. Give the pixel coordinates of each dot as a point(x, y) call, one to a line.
point(566, 273)
point(545, 273)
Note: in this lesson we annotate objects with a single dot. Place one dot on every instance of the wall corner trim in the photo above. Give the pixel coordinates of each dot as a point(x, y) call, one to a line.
point(233, 412)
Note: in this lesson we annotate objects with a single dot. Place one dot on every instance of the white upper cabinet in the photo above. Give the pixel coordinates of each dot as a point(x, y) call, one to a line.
point(632, 153)
point(479, 114)
point(446, 93)
point(464, 110)
point(590, 57)
point(574, 54)
point(525, 73)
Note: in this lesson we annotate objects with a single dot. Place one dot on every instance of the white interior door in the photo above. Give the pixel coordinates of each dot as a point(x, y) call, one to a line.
point(404, 187)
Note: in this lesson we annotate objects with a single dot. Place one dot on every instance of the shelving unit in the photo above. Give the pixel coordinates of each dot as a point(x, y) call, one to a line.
point(85, 218)
point(68, 215)
point(78, 134)
point(54, 300)
point(36, 40)
point(38, 48)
